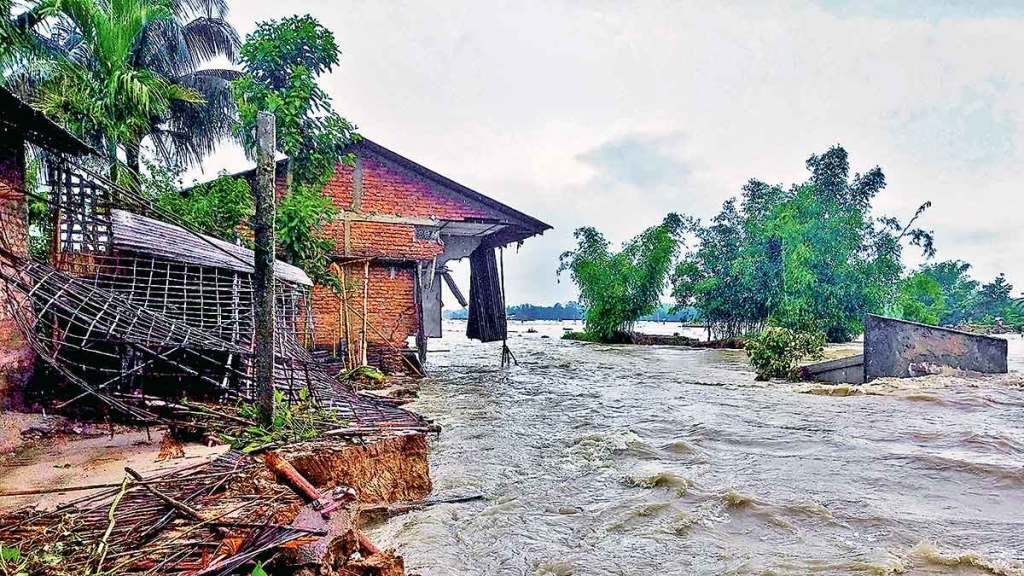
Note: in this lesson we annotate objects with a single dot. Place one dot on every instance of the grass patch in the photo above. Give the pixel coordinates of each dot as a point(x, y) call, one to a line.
point(300, 421)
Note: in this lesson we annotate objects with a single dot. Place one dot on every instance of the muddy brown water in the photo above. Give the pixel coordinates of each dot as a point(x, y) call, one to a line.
point(613, 460)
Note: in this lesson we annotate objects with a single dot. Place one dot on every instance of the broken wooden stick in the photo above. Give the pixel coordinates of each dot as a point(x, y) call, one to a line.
point(381, 512)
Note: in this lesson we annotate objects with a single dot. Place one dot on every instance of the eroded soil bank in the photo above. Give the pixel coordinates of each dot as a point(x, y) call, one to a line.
point(49, 458)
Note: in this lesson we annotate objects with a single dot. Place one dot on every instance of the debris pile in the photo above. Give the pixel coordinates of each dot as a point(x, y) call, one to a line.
point(218, 518)
point(140, 318)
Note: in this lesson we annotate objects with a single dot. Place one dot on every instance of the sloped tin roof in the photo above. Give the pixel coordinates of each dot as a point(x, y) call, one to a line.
point(145, 235)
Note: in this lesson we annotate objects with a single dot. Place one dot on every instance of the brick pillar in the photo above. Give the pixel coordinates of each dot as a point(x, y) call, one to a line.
point(16, 358)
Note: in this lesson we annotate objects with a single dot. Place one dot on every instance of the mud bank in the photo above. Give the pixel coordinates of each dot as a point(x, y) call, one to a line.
point(384, 471)
point(42, 480)
point(642, 339)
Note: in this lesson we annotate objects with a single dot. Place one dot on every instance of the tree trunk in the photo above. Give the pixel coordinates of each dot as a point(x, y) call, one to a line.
point(132, 157)
point(263, 278)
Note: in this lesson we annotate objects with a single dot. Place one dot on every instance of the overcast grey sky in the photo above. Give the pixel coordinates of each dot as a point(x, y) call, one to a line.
point(612, 113)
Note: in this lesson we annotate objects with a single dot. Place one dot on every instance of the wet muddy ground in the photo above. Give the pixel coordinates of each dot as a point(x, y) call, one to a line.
point(612, 460)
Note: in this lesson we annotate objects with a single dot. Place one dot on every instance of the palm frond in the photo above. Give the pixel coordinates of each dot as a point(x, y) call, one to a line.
point(209, 38)
point(186, 9)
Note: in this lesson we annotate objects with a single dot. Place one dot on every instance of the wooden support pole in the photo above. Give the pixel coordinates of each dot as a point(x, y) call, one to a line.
point(366, 303)
point(350, 359)
point(263, 278)
point(421, 333)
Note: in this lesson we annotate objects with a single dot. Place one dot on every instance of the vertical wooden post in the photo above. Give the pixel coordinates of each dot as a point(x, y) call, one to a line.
point(366, 303)
point(421, 333)
point(263, 278)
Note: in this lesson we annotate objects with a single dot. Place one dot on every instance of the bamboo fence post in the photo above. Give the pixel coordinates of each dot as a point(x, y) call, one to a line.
point(366, 296)
point(350, 357)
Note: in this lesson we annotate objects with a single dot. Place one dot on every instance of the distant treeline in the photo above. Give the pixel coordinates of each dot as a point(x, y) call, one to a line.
point(572, 311)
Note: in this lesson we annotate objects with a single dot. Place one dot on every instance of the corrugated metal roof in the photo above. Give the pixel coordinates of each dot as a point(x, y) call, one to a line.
point(145, 235)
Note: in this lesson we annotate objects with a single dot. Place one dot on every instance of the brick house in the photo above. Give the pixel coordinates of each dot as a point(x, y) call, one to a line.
point(20, 125)
point(398, 224)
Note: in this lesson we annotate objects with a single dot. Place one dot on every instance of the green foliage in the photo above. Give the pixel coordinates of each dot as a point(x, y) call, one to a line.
point(920, 299)
point(281, 61)
point(119, 72)
point(993, 299)
point(363, 373)
point(258, 570)
point(299, 421)
point(581, 336)
point(946, 290)
point(107, 93)
point(47, 559)
point(959, 290)
point(301, 218)
point(39, 229)
point(11, 562)
point(617, 288)
point(811, 258)
point(17, 47)
point(775, 352)
point(217, 208)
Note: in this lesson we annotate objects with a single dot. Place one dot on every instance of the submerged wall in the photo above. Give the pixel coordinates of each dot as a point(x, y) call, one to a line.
point(848, 370)
point(893, 347)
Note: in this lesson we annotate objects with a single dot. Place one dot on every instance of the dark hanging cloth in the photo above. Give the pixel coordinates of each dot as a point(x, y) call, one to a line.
point(486, 302)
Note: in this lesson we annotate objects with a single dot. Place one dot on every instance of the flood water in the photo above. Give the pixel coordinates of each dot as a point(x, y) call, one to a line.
point(612, 460)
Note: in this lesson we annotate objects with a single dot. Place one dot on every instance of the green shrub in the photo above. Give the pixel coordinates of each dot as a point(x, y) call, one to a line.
point(581, 336)
point(293, 422)
point(775, 352)
point(617, 288)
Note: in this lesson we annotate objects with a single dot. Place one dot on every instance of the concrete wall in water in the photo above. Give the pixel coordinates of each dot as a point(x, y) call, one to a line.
point(849, 370)
point(892, 346)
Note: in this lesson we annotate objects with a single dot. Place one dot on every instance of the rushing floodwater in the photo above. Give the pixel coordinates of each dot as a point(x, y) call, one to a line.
point(611, 460)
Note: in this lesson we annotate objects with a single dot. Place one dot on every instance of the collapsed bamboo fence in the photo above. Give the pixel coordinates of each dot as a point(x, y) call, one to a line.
point(209, 519)
point(132, 303)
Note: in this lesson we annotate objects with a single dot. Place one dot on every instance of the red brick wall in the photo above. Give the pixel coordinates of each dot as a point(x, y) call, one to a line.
point(391, 306)
point(16, 358)
point(387, 190)
point(391, 189)
point(390, 240)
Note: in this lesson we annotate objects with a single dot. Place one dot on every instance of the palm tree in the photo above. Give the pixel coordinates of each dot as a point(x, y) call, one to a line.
point(131, 70)
point(179, 49)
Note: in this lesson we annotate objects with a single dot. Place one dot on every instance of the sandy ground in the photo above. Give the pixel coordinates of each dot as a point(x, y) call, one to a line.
point(66, 460)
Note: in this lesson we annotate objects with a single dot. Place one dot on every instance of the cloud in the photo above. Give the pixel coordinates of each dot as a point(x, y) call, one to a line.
point(612, 114)
point(970, 130)
point(925, 9)
point(643, 161)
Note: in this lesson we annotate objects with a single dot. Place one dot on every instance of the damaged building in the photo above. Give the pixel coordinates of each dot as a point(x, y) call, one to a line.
point(130, 303)
point(122, 311)
point(398, 225)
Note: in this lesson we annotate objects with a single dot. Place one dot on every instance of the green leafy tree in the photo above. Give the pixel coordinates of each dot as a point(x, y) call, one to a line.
point(617, 288)
point(775, 352)
point(994, 299)
point(121, 73)
point(219, 208)
point(100, 91)
point(811, 258)
point(281, 60)
point(920, 299)
point(959, 290)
